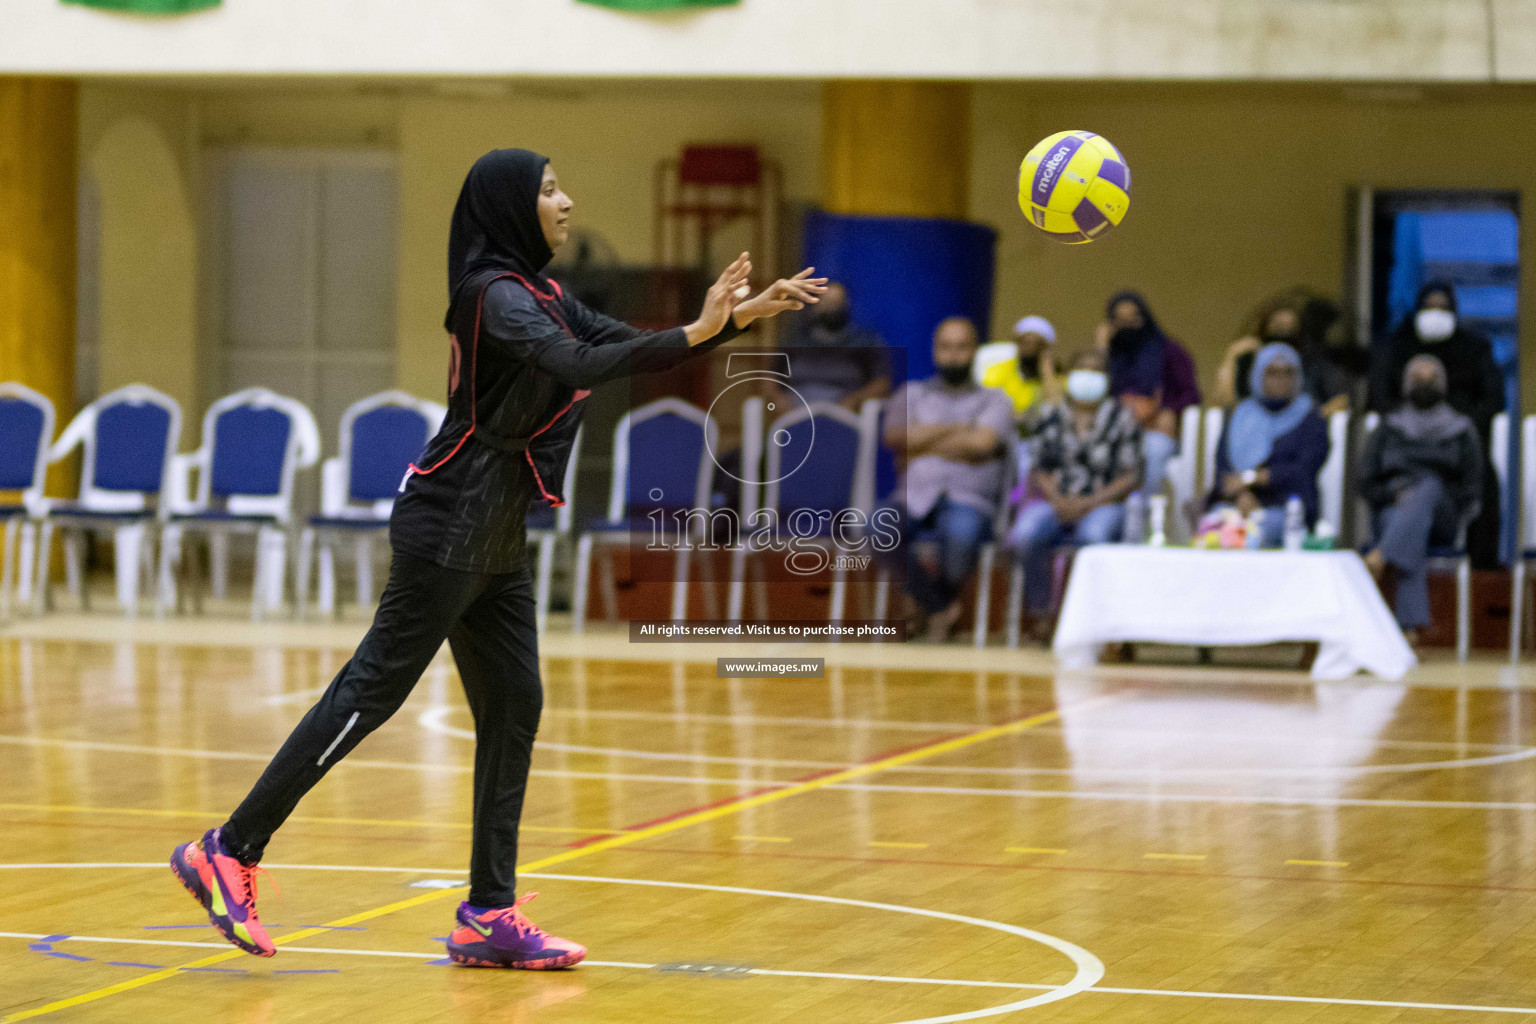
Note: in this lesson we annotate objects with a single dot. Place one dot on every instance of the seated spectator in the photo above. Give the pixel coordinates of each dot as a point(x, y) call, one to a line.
point(1030, 380)
point(1474, 388)
point(1153, 376)
point(954, 435)
point(832, 359)
point(1422, 476)
point(1278, 323)
point(1087, 462)
point(1273, 446)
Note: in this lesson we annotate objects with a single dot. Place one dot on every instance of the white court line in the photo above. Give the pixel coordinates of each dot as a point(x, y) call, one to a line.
point(432, 721)
point(832, 976)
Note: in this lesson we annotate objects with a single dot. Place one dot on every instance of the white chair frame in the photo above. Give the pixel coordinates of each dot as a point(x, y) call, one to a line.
point(22, 567)
point(303, 451)
point(616, 507)
point(336, 503)
point(133, 541)
point(548, 539)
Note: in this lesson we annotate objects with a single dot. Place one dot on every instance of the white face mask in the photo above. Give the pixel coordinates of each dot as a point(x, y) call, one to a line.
point(1434, 324)
point(1087, 386)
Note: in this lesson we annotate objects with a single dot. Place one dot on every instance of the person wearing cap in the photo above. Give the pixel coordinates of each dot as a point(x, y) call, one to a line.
point(1029, 380)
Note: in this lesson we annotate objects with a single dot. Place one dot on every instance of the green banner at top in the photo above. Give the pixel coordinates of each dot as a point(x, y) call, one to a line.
point(657, 6)
point(149, 6)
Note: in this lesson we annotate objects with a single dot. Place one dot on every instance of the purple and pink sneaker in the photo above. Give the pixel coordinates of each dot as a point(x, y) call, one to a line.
point(226, 889)
point(505, 938)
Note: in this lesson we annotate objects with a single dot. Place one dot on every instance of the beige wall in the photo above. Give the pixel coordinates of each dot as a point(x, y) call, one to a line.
point(1237, 191)
point(604, 141)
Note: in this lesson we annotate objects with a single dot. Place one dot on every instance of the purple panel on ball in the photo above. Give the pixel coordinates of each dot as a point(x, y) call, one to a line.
point(1116, 173)
point(1089, 218)
point(1049, 170)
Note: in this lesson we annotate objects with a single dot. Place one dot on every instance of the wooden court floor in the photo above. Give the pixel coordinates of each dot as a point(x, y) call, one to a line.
point(882, 846)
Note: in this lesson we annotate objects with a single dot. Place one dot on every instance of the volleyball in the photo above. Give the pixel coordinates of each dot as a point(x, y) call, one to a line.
point(1074, 186)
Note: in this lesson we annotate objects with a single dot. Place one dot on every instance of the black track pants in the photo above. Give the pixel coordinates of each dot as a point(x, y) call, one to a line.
point(488, 621)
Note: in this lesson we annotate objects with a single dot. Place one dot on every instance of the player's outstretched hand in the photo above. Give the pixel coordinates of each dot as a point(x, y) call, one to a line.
point(786, 293)
point(728, 290)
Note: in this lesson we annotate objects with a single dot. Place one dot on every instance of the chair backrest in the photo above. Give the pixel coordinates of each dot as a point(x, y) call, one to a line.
point(381, 436)
point(989, 355)
point(1498, 441)
point(1183, 467)
point(254, 442)
point(26, 429)
point(661, 458)
point(1215, 419)
point(127, 439)
point(821, 457)
point(1330, 479)
point(1528, 485)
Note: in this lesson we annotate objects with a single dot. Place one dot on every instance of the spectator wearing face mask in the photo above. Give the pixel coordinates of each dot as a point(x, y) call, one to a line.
point(1030, 380)
point(1473, 387)
point(1422, 476)
point(833, 359)
point(1088, 460)
point(954, 437)
point(1152, 375)
point(1273, 445)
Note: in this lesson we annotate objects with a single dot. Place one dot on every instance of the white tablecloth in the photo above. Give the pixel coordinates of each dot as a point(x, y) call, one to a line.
point(1214, 598)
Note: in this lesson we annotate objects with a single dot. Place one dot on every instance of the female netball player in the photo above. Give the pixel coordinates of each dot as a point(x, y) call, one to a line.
point(523, 356)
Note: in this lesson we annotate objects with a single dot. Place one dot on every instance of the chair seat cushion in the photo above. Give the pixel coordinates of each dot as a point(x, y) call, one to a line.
point(11, 511)
point(218, 515)
point(358, 523)
point(74, 511)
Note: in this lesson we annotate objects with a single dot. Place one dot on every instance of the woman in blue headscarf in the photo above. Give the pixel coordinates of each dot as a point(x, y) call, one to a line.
point(1273, 446)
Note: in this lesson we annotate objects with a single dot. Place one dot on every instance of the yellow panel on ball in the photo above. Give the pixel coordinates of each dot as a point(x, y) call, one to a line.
point(1074, 186)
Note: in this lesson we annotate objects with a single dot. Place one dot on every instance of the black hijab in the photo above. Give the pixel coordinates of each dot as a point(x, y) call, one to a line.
point(1135, 353)
point(496, 224)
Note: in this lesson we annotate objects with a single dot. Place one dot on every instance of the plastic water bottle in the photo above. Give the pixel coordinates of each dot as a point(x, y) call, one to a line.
point(1157, 536)
point(1295, 524)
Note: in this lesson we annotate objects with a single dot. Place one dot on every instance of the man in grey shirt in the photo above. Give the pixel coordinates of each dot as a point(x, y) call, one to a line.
point(955, 436)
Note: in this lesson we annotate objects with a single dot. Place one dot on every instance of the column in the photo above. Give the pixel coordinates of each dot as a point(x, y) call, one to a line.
point(896, 148)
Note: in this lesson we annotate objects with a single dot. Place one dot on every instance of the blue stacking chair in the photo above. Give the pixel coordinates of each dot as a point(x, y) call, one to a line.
point(380, 437)
point(254, 443)
point(127, 439)
point(547, 529)
point(820, 458)
point(26, 428)
point(661, 463)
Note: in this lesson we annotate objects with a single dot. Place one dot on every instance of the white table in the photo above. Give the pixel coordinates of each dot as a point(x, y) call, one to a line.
point(1124, 592)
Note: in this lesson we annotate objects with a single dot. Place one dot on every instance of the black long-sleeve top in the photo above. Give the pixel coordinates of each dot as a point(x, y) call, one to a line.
point(522, 362)
point(1392, 461)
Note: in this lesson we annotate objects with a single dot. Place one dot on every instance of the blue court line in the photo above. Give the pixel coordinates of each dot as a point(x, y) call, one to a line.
point(52, 938)
point(65, 956)
point(439, 963)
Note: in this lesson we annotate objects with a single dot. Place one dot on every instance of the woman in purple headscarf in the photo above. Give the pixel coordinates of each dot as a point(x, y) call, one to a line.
point(1152, 375)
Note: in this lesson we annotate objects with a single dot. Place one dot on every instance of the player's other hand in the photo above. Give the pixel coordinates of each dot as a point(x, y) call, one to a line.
point(786, 293)
point(723, 296)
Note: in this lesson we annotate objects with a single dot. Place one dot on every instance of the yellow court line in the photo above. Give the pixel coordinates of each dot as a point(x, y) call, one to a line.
point(152, 812)
point(1321, 863)
point(902, 846)
point(1173, 856)
point(1031, 849)
point(936, 749)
